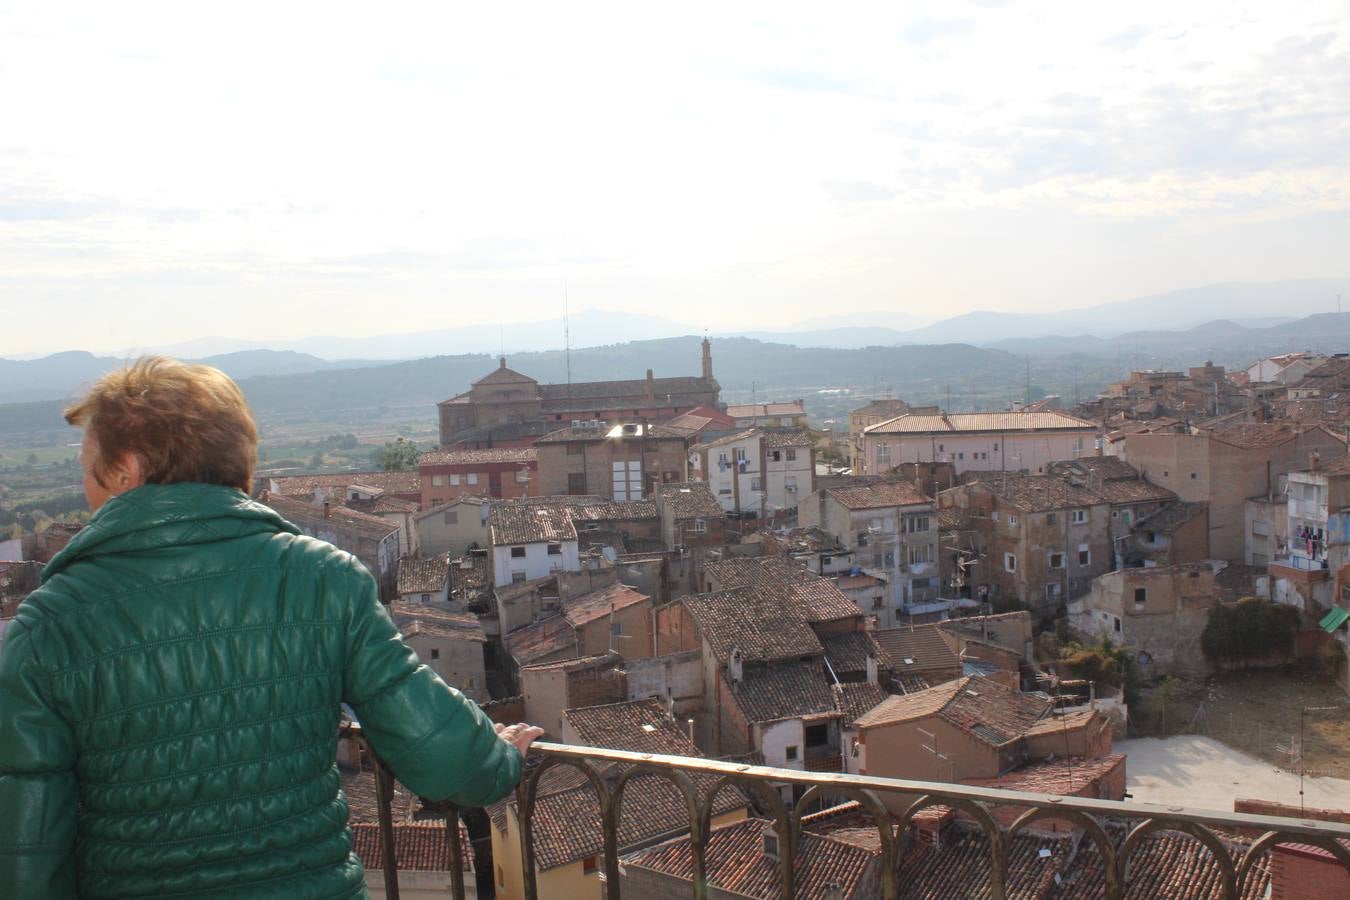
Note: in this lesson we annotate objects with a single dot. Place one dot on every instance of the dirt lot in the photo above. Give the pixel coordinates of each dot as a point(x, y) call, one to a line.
point(1258, 713)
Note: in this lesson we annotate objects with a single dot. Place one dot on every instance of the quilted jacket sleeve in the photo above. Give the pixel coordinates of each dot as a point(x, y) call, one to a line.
point(38, 791)
point(437, 741)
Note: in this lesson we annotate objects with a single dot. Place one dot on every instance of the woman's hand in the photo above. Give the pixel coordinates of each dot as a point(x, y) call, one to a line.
point(520, 736)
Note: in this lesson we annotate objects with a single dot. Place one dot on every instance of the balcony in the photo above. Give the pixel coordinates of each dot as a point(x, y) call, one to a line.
point(1114, 831)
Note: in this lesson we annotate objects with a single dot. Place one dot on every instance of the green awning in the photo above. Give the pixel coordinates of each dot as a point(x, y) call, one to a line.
point(1334, 619)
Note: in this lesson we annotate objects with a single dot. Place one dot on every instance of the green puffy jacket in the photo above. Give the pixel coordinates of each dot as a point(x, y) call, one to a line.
point(169, 704)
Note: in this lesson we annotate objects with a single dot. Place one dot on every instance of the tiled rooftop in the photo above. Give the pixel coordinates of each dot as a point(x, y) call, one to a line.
point(598, 604)
point(1170, 517)
point(910, 423)
point(788, 439)
point(519, 523)
point(475, 457)
point(852, 699)
point(985, 709)
point(427, 575)
point(541, 639)
point(1037, 493)
point(752, 621)
point(693, 500)
point(614, 432)
point(303, 515)
point(736, 865)
point(925, 645)
point(848, 652)
point(418, 846)
point(782, 408)
point(784, 690)
point(736, 437)
point(813, 598)
point(880, 495)
point(405, 482)
point(642, 726)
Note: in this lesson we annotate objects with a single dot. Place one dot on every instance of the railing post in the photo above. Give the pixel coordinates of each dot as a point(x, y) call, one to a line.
point(456, 852)
point(384, 796)
point(525, 792)
point(609, 825)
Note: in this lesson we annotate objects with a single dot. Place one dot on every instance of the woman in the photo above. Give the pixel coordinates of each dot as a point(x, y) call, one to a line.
point(169, 698)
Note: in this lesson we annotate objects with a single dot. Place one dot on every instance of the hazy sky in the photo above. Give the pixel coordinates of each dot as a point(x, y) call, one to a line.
point(277, 170)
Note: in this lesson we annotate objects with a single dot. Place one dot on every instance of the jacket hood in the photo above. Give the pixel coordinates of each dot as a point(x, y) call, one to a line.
point(164, 515)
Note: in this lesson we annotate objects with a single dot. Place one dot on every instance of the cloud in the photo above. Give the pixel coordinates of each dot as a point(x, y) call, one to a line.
point(929, 31)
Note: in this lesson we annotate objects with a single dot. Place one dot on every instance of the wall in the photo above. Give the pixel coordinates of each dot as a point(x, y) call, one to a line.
point(538, 562)
point(452, 530)
point(677, 677)
point(504, 480)
point(775, 737)
point(634, 640)
point(980, 452)
point(662, 460)
point(459, 662)
point(1178, 601)
point(800, 472)
point(419, 885)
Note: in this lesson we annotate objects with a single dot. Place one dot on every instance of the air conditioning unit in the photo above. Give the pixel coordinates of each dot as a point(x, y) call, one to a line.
point(790, 488)
point(577, 423)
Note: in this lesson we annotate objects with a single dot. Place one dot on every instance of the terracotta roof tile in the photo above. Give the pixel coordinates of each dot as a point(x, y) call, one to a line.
point(541, 639)
point(598, 604)
point(735, 863)
point(924, 644)
point(640, 726)
point(429, 575)
point(1037, 493)
point(405, 482)
point(854, 699)
point(305, 516)
point(753, 622)
point(985, 709)
point(783, 691)
point(474, 457)
point(848, 652)
point(1170, 517)
point(787, 439)
point(693, 500)
point(529, 524)
point(418, 846)
point(813, 598)
point(880, 495)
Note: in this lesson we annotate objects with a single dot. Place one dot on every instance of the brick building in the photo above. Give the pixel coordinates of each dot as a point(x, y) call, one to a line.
point(505, 400)
point(499, 473)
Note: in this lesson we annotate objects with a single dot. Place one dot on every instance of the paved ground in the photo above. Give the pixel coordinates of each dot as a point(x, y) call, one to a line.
point(1198, 771)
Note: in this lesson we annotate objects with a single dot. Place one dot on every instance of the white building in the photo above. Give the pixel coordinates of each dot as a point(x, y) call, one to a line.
point(1286, 368)
point(757, 473)
point(980, 442)
point(531, 541)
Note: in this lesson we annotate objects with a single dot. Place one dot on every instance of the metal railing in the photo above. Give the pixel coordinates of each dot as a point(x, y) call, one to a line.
point(609, 772)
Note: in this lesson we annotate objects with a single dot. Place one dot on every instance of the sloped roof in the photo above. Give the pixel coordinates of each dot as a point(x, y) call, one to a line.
point(1048, 420)
point(428, 575)
point(982, 708)
point(848, 652)
point(813, 598)
point(405, 482)
point(615, 432)
point(753, 622)
point(541, 639)
point(473, 457)
point(693, 500)
point(640, 726)
point(530, 524)
point(854, 699)
point(794, 438)
point(504, 375)
point(1171, 517)
point(735, 437)
point(924, 644)
point(787, 690)
point(305, 516)
point(598, 604)
point(735, 863)
point(879, 495)
point(781, 408)
point(1038, 493)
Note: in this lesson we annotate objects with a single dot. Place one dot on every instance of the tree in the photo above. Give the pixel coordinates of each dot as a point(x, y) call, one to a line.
point(399, 456)
point(1251, 628)
point(1163, 695)
point(316, 460)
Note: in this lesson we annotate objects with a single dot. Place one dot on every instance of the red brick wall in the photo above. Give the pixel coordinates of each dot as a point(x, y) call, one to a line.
point(1304, 874)
point(594, 686)
point(508, 711)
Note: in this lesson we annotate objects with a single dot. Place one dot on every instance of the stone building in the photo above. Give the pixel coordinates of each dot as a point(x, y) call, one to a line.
point(504, 399)
point(617, 462)
point(499, 473)
point(372, 540)
point(978, 442)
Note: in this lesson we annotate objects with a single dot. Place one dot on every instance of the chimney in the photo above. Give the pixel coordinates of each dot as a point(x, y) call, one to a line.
point(871, 669)
point(735, 668)
point(1316, 461)
point(651, 387)
point(501, 361)
point(327, 510)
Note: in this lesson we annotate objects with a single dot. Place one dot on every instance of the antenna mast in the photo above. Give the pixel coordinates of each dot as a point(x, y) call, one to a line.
point(567, 341)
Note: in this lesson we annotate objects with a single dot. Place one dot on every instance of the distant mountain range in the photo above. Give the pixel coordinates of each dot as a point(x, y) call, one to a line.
point(1246, 305)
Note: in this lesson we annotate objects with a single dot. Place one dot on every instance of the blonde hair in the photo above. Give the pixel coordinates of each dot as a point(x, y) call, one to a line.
point(182, 422)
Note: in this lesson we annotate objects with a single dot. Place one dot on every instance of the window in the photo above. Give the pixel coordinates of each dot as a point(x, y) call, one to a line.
point(790, 485)
point(1079, 517)
point(1192, 474)
point(883, 453)
point(776, 455)
point(616, 629)
point(724, 491)
point(1012, 520)
point(877, 602)
point(555, 549)
point(519, 577)
point(790, 753)
point(517, 552)
point(522, 476)
point(438, 481)
point(996, 448)
point(1117, 618)
point(435, 653)
point(426, 598)
point(1049, 518)
point(589, 866)
point(817, 735)
point(451, 517)
point(921, 553)
point(960, 456)
point(1009, 562)
point(473, 478)
point(576, 482)
point(888, 524)
point(1084, 555)
point(1140, 597)
point(755, 484)
point(1056, 560)
point(740, 455)
point(791, 455)
point(454, 480)
point(722, 458)
point(700, 526)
